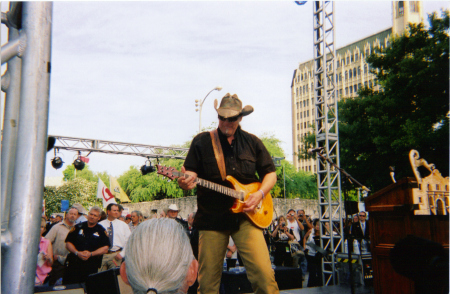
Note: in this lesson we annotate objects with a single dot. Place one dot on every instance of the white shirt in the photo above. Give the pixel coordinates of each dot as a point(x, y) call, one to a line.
point(295, 229)
point(121, 233)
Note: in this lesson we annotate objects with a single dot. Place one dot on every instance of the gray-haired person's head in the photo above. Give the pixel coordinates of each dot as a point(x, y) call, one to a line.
point(159, 256)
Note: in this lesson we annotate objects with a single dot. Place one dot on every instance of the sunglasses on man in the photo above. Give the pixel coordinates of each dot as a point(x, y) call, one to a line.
point(229, 119)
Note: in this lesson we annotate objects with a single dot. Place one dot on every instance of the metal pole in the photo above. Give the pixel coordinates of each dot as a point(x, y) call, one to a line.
point(201, 106)
point(10, 126)
point(19, 262)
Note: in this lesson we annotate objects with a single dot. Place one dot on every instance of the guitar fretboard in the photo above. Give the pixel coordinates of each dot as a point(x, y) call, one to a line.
point(213, 186)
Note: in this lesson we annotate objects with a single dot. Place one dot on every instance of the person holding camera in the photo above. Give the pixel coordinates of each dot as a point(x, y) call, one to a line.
point(282, 235)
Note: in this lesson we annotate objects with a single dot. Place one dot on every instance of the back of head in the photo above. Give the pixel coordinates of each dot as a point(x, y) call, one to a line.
point(158, 256)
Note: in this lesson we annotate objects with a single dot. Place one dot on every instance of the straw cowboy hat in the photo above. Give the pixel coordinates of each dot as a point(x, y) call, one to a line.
point(173, 207)
point(231, 106)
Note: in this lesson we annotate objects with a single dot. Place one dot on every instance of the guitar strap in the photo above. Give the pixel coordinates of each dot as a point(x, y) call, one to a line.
point(218, 153)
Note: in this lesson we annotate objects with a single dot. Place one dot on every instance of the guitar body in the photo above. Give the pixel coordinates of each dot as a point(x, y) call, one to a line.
point(263, 213)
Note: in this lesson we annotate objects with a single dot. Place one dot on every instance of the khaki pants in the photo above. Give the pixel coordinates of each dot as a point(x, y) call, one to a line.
point(252, 249)
point(109, 262)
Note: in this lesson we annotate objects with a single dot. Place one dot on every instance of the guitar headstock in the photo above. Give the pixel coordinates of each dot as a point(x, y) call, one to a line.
point(168, 171)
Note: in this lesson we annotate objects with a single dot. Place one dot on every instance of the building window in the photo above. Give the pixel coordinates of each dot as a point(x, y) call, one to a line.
point(297, 127)
point(300, 114)
point(338, 64)
point(359, 70)
point(307, 113)
point(342, 62)
point(365, 69)
point(350, 74)
point(351, 89)
point(354, 72)
point(351, 58)
point(304, 103)
point(359, 86)
point(348, 60)
point(340, 77)
point(367, 52)
point(414, 6)
point(370, 84)
point(400, 9)
point(356, 56)
point(354, 88)
point(346, 90)
point(346, 75)
point(300, 90)
point(303, 89)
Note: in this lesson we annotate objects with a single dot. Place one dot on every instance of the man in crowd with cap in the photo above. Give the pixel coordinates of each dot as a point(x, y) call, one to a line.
point(57, 236)
point(81, 212)
point(118, 234)
point(244, 155)
point(172, 213)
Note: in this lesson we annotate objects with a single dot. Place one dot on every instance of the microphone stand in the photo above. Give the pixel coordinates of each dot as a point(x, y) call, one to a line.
point(351, 237)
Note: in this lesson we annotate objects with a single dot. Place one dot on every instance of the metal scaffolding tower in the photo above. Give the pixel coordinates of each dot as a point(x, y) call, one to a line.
point(326, 130)
point(24, 140)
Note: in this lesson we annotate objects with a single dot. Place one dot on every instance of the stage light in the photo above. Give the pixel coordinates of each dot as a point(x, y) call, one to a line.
point(57, 162)
point(147, 168)
point(78, 163)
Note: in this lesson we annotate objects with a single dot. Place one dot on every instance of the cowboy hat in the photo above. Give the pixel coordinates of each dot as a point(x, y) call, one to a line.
point(173, 207)
point(231, 106)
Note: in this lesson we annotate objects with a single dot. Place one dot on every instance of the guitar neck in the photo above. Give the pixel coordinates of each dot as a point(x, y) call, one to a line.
point(213, 186)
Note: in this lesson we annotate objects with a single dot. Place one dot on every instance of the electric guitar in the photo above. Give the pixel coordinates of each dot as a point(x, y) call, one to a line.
point(261, 216)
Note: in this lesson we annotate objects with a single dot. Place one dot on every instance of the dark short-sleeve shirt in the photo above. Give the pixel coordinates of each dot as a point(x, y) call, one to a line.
point(245, 158)
point(91, 239)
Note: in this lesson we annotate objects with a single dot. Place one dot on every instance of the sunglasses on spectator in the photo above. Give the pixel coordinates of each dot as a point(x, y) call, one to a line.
point(291, 214)
point(362, 215)
point(229, 119)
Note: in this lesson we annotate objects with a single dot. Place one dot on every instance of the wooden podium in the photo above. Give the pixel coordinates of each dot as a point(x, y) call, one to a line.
point(392, 218)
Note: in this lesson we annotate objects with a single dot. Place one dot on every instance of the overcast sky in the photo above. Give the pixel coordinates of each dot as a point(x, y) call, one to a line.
point(131, 71)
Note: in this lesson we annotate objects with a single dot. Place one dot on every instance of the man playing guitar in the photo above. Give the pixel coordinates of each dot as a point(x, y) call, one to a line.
point(244, 156)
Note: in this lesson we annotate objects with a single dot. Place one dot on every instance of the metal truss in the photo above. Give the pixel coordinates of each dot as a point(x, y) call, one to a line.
point(326, 130)
point(103, 146)
point(26, 84)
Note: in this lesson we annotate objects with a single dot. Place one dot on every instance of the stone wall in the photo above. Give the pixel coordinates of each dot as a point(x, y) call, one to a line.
point(187, 205)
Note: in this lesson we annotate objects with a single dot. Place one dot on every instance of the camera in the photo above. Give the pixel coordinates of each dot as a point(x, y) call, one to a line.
point(283, 224)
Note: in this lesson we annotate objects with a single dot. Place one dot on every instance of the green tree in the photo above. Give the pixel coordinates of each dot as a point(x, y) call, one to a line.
point(78, 190)
point(297, 184)
point(378, 129)
point(85, 173)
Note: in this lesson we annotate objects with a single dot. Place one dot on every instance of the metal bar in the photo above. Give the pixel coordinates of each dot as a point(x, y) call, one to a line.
point(19, 264)
point(13, 48)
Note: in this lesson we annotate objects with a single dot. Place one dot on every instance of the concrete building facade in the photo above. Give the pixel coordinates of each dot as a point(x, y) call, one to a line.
point(352, 72)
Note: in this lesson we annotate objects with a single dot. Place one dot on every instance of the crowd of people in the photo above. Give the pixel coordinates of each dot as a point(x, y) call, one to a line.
point(81, 243)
